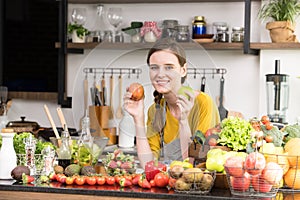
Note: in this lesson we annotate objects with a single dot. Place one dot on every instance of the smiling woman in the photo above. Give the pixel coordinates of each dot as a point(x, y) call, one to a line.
point(30, 60)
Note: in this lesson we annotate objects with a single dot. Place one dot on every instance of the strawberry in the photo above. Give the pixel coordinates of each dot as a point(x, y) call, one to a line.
point(123, 182)
point(127, 165)
point(153, 167)
point(27, 178)
point(144, 183)
point(136, 179)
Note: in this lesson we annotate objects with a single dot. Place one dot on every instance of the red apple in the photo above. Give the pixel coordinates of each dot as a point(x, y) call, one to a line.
point(260, 185)
point(234, 166)
point(255, 162)
point(272, 173)
point(240, 183)
point(137, 91)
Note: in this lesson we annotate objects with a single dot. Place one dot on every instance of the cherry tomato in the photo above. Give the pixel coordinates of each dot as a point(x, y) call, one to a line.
point(269, 138)
point(264, 119)
point(161, 179)
point(91, 180)
point(110, 180)
point(269, 125)
point(80, 180)
point(70, 180)
point(100, 180)
point(117, 178)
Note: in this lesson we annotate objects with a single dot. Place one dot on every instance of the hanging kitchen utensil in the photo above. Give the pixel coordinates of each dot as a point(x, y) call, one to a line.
point(203, 82)
point(103, 90)
point(111, 90)
point(119, 113)
point(222, 111)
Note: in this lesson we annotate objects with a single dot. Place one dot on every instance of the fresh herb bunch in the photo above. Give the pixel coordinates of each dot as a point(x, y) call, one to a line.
point(280, 10)
point(80, 30)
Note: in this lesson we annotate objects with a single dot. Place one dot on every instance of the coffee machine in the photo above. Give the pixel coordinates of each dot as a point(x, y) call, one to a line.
point(277, 95)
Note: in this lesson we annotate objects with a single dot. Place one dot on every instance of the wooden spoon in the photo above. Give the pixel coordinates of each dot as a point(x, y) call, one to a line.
point(119, 113)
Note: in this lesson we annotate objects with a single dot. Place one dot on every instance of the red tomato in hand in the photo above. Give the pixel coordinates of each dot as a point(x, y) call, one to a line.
point(91, 180)
point(161, 179)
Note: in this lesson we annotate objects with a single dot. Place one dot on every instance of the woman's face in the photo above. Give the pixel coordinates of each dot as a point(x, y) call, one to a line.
point(166, 72)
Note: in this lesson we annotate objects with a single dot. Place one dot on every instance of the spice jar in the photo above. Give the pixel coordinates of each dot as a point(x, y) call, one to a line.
point(216, 25)
point(108, 37)
point(199, 26)
point(237, 34)
point(222, 34)
point(182, 33)
point(150, 31)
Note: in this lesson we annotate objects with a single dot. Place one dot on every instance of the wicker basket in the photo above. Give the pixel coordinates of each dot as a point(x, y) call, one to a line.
point(250, 185)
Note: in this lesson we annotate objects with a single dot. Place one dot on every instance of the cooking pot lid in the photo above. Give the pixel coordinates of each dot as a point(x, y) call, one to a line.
point(22, 123)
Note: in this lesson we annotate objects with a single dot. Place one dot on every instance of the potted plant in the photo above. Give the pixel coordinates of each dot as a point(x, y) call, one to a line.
point(78, 32)
point(283, 14)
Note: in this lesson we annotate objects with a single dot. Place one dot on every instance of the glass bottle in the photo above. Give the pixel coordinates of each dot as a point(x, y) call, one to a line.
point(85, 143)
point(8, 157)
point(30, 145)
point(49, 156)
point(64, 151)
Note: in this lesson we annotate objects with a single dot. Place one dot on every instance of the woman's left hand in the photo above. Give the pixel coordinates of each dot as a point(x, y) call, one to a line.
point(185, 104)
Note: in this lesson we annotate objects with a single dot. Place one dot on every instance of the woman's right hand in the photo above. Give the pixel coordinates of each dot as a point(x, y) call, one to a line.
point(134, 108)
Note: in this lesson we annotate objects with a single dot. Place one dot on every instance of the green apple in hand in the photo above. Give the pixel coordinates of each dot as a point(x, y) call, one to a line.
point(183, 89)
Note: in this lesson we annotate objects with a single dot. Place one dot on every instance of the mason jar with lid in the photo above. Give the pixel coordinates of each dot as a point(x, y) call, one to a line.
point(216, 25)
point(222, 34)
point(169, 26)
point(199, 26)
point(237, 34)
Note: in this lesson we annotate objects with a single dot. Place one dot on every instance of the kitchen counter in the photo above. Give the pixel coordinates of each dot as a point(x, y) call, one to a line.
point(56, 190)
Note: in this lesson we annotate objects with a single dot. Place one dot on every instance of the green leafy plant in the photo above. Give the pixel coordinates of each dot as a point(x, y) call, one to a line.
point(280, 10)
point(80, 30)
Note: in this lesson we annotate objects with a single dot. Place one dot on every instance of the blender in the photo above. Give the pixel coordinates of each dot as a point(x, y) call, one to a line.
point(277, 95)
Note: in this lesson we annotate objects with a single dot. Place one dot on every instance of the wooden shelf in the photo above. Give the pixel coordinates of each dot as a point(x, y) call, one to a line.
point(33, 95)
point(147, 1)
point(190, 45)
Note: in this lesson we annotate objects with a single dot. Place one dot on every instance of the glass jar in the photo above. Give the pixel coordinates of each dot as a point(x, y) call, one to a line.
point(150, 31)
point(199, 26)
point(237, 34)
point(216, 25)
point(222, 34)
point(169, 27)
point(108, 36)
point(182, 33)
